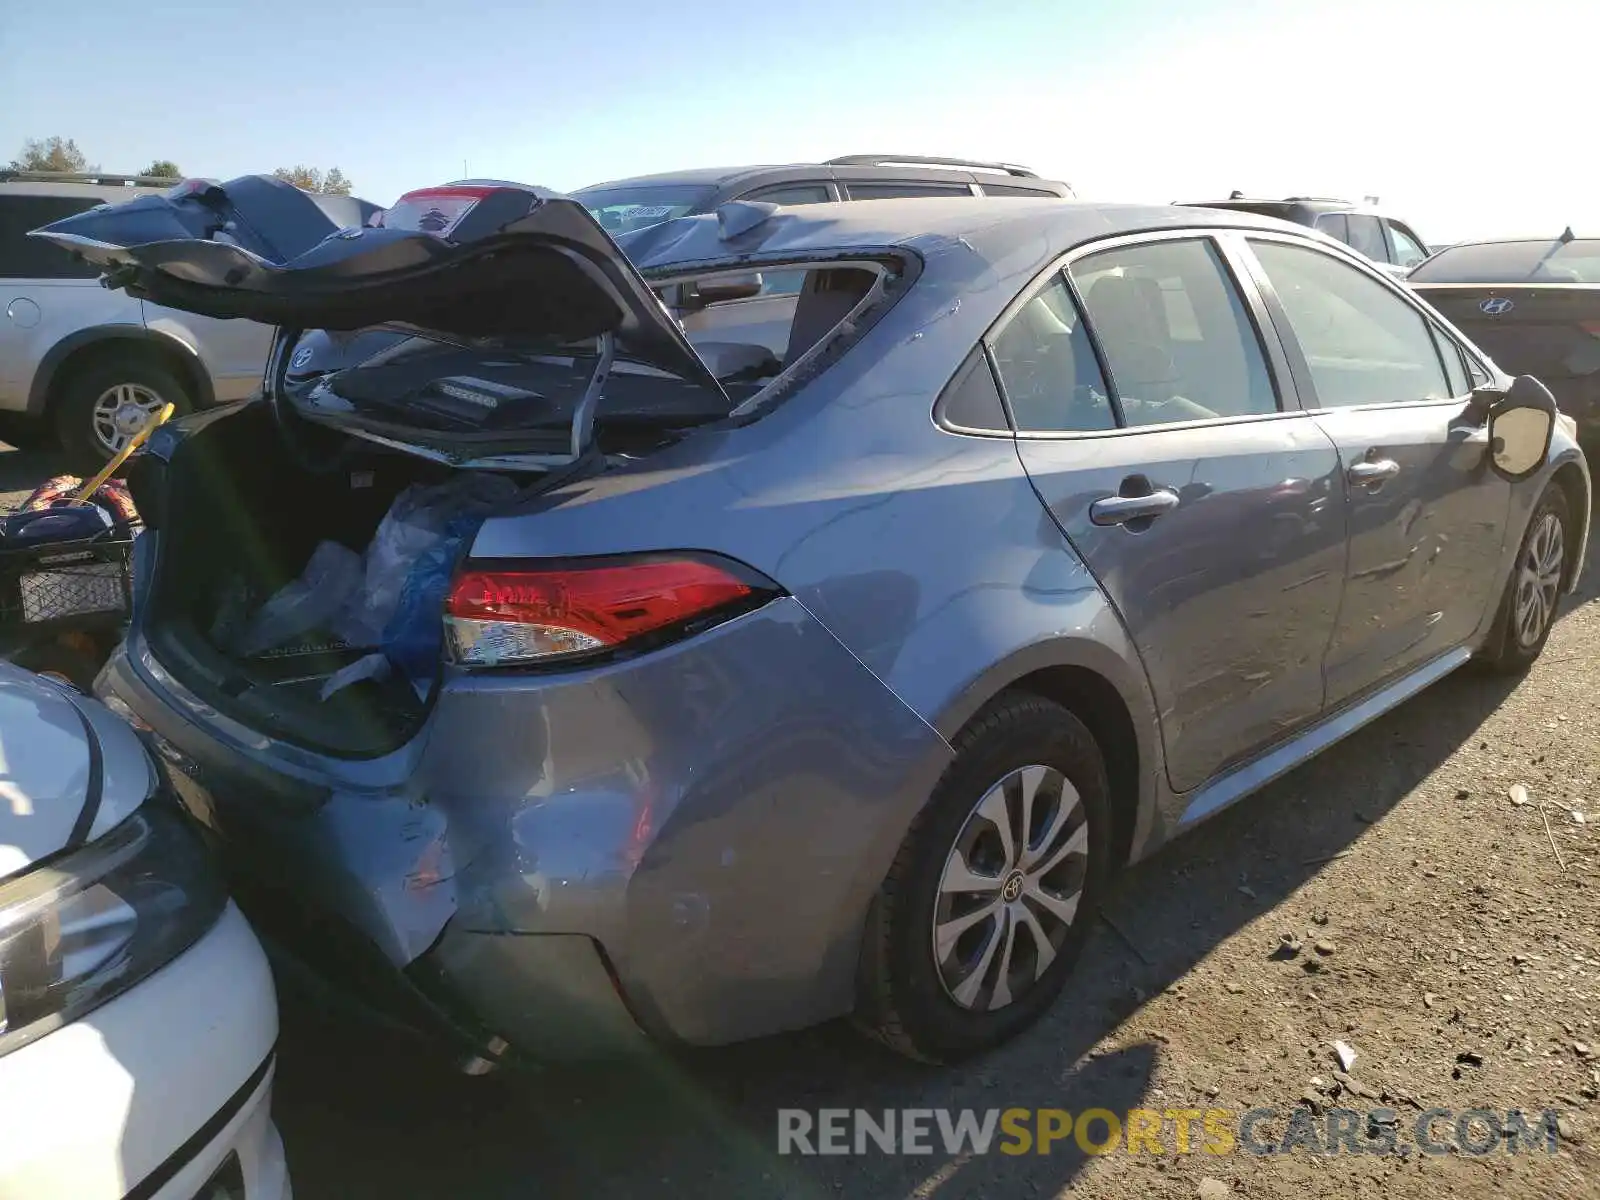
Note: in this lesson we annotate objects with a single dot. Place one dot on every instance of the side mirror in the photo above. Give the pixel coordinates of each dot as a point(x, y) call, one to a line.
point(1520, 427)
point(721, 288)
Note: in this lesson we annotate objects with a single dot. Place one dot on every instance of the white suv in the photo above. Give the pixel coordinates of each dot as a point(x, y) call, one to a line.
point(91, 364)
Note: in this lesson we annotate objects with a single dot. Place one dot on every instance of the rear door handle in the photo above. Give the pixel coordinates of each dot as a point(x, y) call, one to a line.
point(1372, 470)
point(1119, 510)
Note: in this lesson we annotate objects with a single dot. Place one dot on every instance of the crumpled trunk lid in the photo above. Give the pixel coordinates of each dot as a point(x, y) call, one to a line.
point(470, 261)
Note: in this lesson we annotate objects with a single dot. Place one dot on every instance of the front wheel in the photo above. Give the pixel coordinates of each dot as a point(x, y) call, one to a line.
point(1528, 607)
point(988, 903)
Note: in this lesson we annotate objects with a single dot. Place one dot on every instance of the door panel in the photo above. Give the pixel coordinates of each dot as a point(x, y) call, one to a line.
point(1231, 594)
point(1423, 538)
point(1213, 521)
point(1425, 512)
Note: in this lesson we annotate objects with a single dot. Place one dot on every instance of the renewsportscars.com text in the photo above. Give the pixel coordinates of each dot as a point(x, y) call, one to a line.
point(1214, 1131)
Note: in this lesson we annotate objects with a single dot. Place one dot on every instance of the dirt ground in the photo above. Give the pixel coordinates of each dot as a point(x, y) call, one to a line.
point(1443, 933)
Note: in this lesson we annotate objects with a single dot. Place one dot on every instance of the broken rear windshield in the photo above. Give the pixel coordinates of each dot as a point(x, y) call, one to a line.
point(1540, 261)
point(620, 210)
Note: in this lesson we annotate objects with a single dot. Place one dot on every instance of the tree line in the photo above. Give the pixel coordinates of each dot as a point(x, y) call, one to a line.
point(62, 154)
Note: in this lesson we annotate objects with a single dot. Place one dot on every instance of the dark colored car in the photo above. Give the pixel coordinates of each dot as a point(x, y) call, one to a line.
point(627, 204)
point(1391, 244)
point(1533, 305)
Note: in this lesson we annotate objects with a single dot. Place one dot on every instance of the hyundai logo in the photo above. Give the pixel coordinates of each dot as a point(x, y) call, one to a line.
point(301, 359)
point(1498, 306)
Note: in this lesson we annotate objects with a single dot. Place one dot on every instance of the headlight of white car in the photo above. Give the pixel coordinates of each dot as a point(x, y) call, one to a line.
point(79, 930)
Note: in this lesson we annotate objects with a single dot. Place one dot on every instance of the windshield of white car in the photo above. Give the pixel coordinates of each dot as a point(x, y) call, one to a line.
point(620, 210)
point(1540, 260)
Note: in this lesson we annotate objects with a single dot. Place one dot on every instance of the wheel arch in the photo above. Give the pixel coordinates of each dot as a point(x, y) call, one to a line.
point(1109, 695)
point(77, 350)
point(1569, 477)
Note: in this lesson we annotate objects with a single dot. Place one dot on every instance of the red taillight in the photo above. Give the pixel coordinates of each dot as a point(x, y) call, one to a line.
point(1592, 328)
point(526, 615)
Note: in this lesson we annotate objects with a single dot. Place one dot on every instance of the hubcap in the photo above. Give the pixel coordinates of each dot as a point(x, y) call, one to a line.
point(1539, 580)
point(1010, 888)
point(121, 412)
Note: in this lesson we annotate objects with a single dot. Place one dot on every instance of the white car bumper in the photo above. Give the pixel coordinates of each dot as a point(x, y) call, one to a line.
point(155, 1093)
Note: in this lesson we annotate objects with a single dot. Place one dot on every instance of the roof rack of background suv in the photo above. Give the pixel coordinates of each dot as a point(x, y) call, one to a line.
point(7, 175)
point(1315, 200)
point(921, 160)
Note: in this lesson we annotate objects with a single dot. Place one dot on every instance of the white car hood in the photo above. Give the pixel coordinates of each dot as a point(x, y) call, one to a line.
point(69, 770)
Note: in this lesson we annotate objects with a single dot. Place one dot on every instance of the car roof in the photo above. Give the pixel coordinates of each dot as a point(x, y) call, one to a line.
point(991, 227)
point(103, 193)
point(849, 167)
point(1306, 203)
point(711, 175)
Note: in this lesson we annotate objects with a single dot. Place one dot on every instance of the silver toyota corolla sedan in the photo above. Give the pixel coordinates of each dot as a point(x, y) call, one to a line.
point(823, 654)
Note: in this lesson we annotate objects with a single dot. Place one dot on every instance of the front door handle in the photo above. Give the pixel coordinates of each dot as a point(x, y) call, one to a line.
point(1373, 470)
point(1120, 510)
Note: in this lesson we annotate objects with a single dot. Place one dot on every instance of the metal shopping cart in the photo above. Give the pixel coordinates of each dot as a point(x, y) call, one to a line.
point(66, 580)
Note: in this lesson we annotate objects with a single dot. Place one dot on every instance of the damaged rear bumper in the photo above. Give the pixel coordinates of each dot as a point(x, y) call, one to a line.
point(681, 847)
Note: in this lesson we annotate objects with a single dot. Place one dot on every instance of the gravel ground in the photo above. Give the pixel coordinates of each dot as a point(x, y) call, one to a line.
point(1391, 895)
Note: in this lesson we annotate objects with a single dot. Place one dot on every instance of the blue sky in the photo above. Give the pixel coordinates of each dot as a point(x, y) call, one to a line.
point(1471, 118)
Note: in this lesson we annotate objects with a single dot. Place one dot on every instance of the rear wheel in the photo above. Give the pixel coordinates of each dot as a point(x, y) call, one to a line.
point(988, 903)
point(1528, 608)
point(100, 407)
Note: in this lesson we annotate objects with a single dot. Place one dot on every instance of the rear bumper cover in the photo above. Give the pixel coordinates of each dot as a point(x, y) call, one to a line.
point(686, 843)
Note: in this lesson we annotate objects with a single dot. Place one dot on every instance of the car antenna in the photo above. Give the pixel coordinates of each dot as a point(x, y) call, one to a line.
point(1566, 236)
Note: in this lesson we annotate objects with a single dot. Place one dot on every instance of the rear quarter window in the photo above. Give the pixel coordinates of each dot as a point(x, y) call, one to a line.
point(23, 257)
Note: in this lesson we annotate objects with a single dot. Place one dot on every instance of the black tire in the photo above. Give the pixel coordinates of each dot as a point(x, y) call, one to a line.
point(1509, 649)
point(905, 998)
point(73, 406)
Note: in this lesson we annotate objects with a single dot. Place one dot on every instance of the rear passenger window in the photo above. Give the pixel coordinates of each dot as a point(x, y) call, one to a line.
point(1366, 236)
point(894, 191)
point(1335, 226)
point(1048, 368)
point(1177, 338)
point(1363, 344)
point(23, 257)
point(792, 193)
point(1011, 189)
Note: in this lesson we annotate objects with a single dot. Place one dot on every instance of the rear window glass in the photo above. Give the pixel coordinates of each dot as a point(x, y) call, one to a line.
point(23, 257)
point(1265, 209)
point(1539, 261)
point(622, 209)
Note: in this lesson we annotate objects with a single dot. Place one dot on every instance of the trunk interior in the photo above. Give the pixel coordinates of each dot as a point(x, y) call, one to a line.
point(238, 519)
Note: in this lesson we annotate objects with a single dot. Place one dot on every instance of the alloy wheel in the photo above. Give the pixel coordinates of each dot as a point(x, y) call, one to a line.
point(1539, 580)
point(120, 412)
point(1010, 888)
